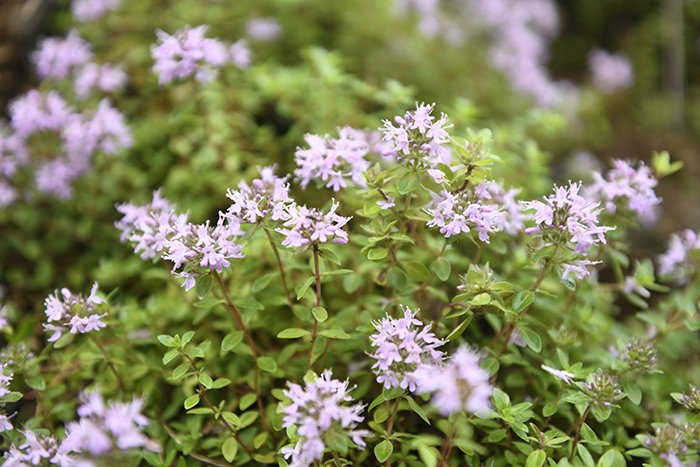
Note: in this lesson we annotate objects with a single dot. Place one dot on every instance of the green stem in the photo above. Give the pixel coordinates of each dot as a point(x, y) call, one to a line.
point(236, 315)
point(108, 359)
point(390, 426)
point(314, 332)
point(579, 425)
point(280, 267)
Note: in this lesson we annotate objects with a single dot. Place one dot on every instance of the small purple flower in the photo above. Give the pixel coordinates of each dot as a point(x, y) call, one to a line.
point(307, 226)
point(333, 161)
point(625, 187)
point(82, 314)
point(5, 423)
point(57, 57)
point(240, 54)
point(319, 411)
point(677, 262)
point(265, 197)
point(188, 52)
point(610, 72)
point(464, 211)
point(567, 219)
point(263, 29)
point(460, 384)
point(402, 346)
point(90, 10)
point(5, 379)
point(420, 140)
point(563, 375)
point(105, 78)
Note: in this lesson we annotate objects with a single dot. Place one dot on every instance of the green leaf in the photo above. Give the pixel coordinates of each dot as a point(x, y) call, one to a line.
point(531, 338)
point(416, 270)
point(206, 380)
point(229, 449)
point(500, 399)
point(191, 401)
point(522, 300)
point(461, 328)
point(231, 341)
point(301, 291)
point(259, 440)
point(319, 313)
point(203, 285)
point(442, 268)
point(536, 458)
point(35, 382)
point(417, 409)
point(267, 364)
point(480, 299)
point(549, 409)
point(293, 333)
point(634, 394)
point(377, 254)
point(170, 355)
point(383, 450)
point(585, 455)
point(612, 458)
point(587, 434)
point(232, 419)
point(220, 383)
point(186, 338)
point(166, 340)
point(247, 400)
point(335, 334)
point(407, 183)
point(261, 283)
point(180, 370)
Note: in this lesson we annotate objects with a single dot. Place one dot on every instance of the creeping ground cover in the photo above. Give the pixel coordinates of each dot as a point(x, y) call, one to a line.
point(215, 252)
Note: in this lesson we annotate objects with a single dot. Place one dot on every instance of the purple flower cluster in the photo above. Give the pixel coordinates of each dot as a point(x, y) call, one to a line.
point(625, 187)
point(420, 139)
point(104, 428)
point(105, 78)
point(81, 314)
point(148, 226)
point(512, 218)
point(679, 261)
point(610, 72)
point(38, 449)
point(155, 230)
point(333, 160)
point(402, 346)
point(466, 210)
point(57, 57)
point(320, 410)
point(307, 226)
point(48, 137)
point(263, 29)
point(188, 52)
point(266, 197)
point(101, 430)
point(71, 56)
point(460, 384)
point(568, 220)
point(90, 10)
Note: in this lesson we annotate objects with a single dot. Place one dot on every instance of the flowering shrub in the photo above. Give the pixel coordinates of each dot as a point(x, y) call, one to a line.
point(324, 284)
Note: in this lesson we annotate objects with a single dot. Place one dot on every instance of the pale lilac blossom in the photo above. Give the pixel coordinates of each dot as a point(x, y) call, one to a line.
point(90, 10)
point(307, 226)
point(624, 187)
point(263, 29)
point(464, 211)
point(321, 409)
point(333, 161)
point(419, 140)
point(401, 347)
point(104, 78)
point(57, 57)
point(563, 375)
point(678, 261)
point(188, 52)
point(65, 309)
point(5, 423)
point(266, 197)
point(240, 54)
point(610, 72)
point(458, 385)
point(5, 379)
